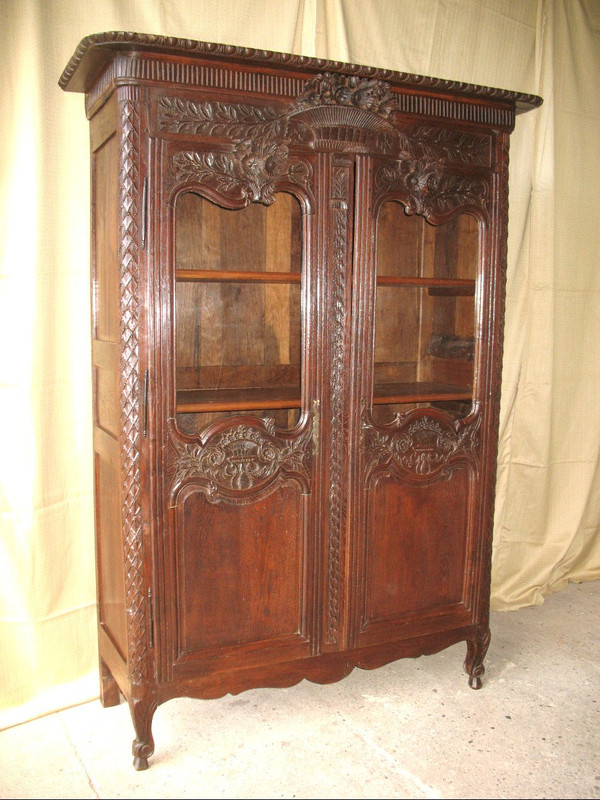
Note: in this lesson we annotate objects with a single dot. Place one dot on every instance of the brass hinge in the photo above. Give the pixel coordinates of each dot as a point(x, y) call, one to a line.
point(316, 426)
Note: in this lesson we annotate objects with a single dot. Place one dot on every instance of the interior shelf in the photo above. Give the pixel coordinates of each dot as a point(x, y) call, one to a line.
point(454, 286)
point(199, 400)
point(419, 392)
point(236, 276)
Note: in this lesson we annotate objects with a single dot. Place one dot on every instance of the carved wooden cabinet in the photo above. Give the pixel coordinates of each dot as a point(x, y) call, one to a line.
point(298, 274)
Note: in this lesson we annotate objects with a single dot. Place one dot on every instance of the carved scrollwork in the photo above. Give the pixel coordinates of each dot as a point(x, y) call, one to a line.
point(242, 458)
point(424, 447)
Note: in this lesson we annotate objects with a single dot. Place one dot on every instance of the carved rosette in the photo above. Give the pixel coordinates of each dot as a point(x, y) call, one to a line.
point(241, 461)
point(424, 447)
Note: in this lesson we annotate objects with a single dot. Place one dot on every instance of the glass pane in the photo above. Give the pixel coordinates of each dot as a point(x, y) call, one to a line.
point(238, 311)
point(424, 314)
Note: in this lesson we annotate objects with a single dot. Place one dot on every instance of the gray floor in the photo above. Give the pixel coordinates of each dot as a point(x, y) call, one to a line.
point(412, 729)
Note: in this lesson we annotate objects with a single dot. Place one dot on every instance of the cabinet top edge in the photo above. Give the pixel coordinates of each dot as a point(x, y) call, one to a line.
point(94, 52)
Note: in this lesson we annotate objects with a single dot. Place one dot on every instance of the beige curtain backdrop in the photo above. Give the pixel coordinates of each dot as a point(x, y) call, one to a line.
point(548, 495)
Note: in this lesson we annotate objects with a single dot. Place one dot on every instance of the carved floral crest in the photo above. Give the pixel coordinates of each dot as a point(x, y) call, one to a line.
point(242, 457)
point(422, 446)
point(347, 90)
point(342, 111)
point(250, 173)
point(421, 171)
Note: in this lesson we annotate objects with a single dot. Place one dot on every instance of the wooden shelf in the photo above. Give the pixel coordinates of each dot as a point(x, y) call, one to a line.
point(452, 286)
point(238, 276)
point(419, 392)
point(253, 399)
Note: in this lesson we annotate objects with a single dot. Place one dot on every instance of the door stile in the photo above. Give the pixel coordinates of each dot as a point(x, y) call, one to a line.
point(362, 354)
point(336, 221)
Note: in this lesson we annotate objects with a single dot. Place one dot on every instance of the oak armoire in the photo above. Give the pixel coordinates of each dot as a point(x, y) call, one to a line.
point(298, 276)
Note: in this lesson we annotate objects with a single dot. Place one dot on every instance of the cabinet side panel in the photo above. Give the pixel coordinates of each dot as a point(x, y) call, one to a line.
point(111, 583)
point(106, 408)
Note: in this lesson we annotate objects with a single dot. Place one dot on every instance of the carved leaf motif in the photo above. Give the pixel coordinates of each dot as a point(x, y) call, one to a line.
point(217, 119)
point(451, 145)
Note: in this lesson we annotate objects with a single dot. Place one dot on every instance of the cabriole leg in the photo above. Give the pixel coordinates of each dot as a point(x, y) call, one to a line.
point(142, 712)
point(476, 650)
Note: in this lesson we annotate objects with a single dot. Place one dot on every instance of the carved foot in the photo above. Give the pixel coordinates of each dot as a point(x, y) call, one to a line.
point(476, 650)
point(142, 748)
point(109, 689)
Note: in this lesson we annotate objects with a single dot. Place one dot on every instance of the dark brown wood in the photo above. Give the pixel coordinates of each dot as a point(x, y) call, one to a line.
point(297, 285)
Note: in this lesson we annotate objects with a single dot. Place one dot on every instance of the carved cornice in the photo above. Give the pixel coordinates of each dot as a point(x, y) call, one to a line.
point(95, 51)
point(423, 446)
point(235, 464)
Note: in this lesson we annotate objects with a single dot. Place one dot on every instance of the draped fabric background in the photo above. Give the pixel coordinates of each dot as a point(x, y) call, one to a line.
point(548, 495)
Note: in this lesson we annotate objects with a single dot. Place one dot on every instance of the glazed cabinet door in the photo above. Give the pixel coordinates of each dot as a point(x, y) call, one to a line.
point(423, 278)
point(240, 416)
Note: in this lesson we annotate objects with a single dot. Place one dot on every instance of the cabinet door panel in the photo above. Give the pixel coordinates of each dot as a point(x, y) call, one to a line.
point(416, 554)
point(239, 575)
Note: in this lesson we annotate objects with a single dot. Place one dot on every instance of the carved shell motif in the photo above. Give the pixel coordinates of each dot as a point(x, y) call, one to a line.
point(240, 459)
point(423, 446)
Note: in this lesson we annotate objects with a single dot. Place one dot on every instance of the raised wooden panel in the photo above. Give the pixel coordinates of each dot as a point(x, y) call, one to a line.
point(239, 571)
point(416, 551)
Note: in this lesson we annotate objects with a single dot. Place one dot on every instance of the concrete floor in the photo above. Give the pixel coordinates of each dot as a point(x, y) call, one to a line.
point(412, 729)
